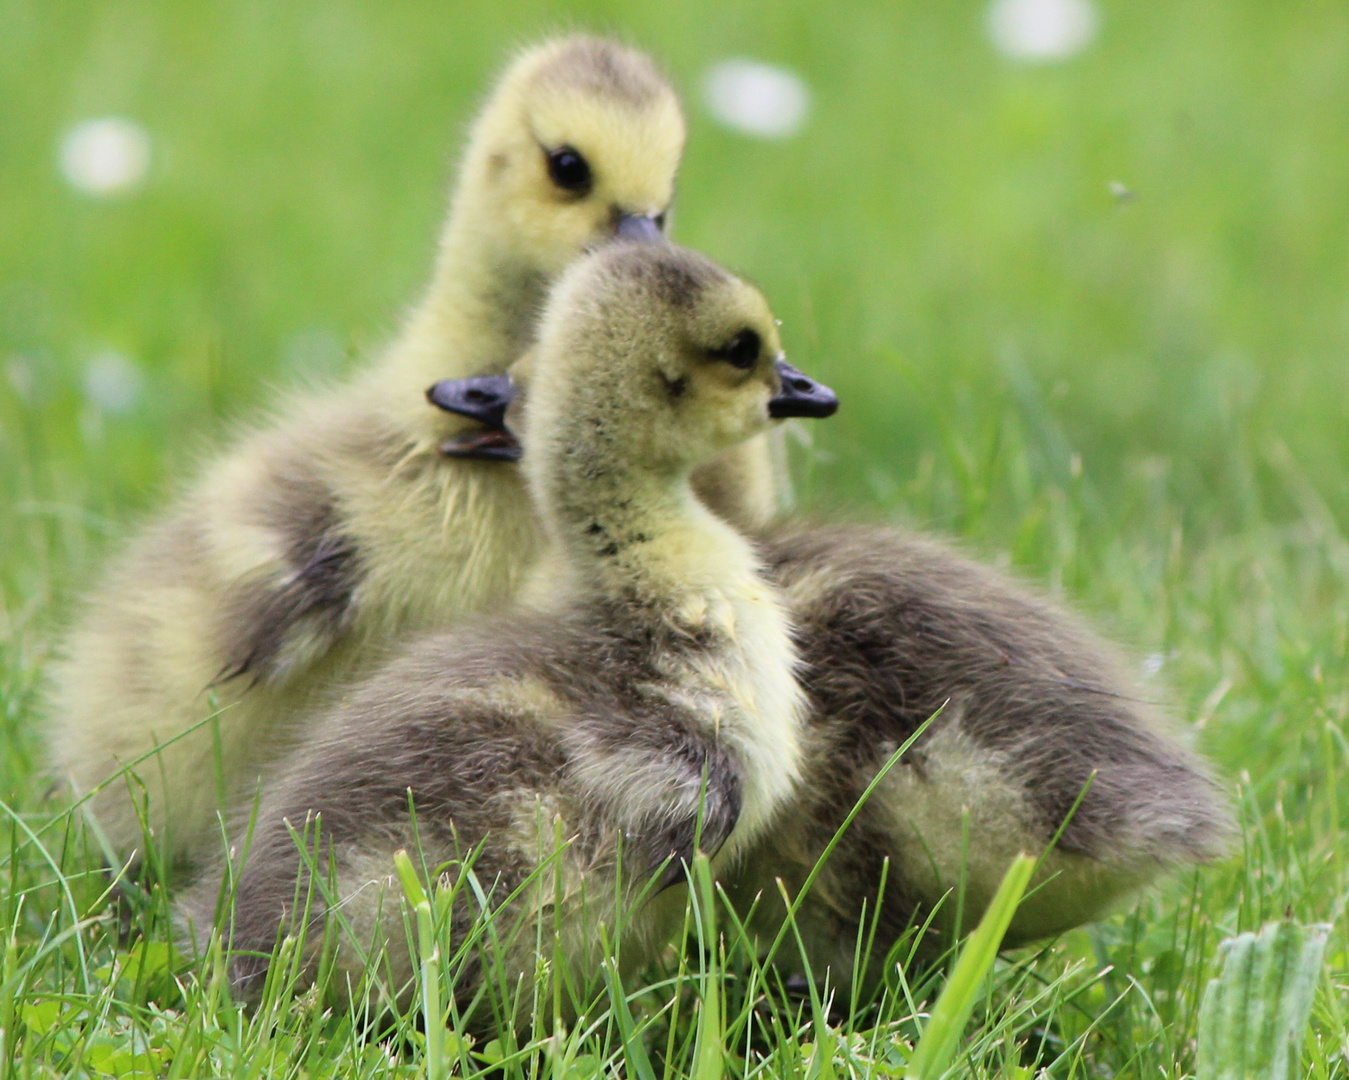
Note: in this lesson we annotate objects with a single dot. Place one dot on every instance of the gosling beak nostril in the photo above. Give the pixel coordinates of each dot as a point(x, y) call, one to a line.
point(800, 395)
point(640, 227)
point(483, 398)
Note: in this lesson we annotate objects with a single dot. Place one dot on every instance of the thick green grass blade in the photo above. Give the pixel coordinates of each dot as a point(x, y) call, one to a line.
point(937, 1045)
point(709, 1056)
point(429, 947)
point(634, 1050)
point(1254, 1014)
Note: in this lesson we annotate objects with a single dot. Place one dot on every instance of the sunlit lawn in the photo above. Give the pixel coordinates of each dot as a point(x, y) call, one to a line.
point(1089, 316)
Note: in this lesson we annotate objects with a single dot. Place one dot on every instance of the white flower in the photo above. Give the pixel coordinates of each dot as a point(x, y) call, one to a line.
point(1038, 31)
point(112, 382)
point(108, 156)
point(757, 99)
point(21, 377)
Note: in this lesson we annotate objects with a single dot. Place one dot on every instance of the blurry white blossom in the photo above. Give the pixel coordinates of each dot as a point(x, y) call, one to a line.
point(108, 156)
point(112, 382)
point(1038, 31)
point(757, 99)
point(20, 373)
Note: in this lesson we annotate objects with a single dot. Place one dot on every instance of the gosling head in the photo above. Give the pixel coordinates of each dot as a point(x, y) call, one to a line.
point(580, 141)
point(650, 359)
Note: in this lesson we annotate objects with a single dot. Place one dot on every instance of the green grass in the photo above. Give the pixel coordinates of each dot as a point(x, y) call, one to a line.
point(1143, 405)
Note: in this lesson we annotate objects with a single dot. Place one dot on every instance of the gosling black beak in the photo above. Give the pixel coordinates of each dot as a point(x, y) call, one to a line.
point(640, 227)
point(484, 398)
point(482, 445)
point(800, 395)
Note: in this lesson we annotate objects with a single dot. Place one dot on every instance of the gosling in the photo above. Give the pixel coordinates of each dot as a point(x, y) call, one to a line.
point(1041, 744)
point(646, 701)
point(356, 517)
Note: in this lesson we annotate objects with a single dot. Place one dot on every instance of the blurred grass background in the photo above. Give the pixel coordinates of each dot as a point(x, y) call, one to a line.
point(940, 238)
point(1089, 316)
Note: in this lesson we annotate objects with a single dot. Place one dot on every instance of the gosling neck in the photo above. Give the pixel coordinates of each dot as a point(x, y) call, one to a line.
point(641, 537)
point(477, 314)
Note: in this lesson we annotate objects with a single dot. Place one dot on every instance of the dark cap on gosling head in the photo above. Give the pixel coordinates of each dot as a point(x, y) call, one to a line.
point(601, 68)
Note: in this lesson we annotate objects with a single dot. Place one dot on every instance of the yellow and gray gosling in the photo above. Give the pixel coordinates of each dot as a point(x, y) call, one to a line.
point(315, 541)
point(649, 694)
point(1037, 715)
point(1040, 734)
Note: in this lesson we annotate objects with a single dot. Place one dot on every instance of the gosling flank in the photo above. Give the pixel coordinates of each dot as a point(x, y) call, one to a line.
point(1040, 731)
point(310, 545)
point(1035, 715)
point(647, 695)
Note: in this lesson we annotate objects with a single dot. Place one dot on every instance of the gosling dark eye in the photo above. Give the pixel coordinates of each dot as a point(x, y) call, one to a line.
point(660, 221)
point(741, 351)
point(569, 170)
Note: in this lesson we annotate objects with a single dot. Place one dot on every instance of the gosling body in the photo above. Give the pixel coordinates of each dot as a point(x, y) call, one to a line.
point(352, 519)
point(1042, 744)
point(1039, 735)
point(646, 701)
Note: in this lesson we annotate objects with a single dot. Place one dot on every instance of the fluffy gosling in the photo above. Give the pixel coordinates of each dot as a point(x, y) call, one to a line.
point(1040, 731)
point(354, 518)
point(1041, 734)
point(648, 697)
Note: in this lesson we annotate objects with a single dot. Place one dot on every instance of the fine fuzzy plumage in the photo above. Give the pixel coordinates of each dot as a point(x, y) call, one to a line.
point(1036, 715)
point(1039, 731)
point(650, 693)
point(313, 543)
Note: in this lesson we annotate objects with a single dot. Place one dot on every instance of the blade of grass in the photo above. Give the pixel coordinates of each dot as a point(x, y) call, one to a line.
point(941, 1033)
point(634, 1050)
point(815, 870)
point(428, 945)
point(709, 1059)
